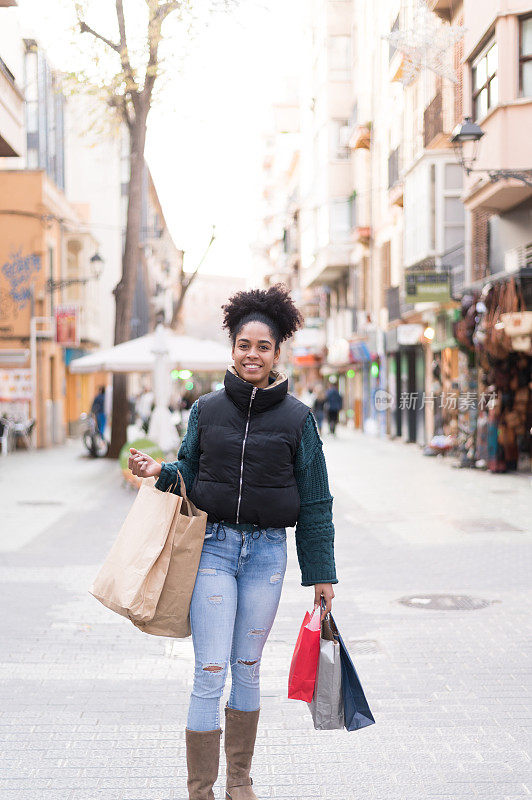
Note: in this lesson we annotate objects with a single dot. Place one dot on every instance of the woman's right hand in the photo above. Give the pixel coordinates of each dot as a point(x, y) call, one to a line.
point(143, 465)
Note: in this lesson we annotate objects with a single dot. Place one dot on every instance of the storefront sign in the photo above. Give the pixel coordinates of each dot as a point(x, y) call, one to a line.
point(67, 325)
point(15, 384)
point(306, 359)
point(409, 334)
point(425, 287)
point(359, 353)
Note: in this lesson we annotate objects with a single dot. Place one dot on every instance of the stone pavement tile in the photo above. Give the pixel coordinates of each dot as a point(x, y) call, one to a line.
point(90, 708)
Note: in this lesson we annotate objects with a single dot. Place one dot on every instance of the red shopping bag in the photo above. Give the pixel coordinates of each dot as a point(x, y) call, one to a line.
point(304, 664)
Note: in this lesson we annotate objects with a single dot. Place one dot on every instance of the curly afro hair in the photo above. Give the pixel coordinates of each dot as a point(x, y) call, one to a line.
point(273, 306)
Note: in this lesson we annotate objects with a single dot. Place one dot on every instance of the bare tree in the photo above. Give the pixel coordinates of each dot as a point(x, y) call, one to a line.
point(131, 95)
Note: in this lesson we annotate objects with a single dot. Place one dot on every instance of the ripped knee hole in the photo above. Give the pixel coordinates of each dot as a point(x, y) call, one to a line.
point(215, 598)
point(257, 632)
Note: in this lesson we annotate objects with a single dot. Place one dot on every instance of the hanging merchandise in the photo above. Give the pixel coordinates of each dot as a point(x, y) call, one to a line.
point(518, 323)
point(464, 328)
point(481, 444)
point(505, 300)
point(496, 330)
point(522, 343)
point(509, 440)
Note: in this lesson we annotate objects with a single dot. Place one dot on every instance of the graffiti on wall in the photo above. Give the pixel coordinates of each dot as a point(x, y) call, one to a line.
point(17, 274)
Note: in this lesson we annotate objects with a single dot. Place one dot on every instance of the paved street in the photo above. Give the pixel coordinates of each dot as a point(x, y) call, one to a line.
point(92, 708)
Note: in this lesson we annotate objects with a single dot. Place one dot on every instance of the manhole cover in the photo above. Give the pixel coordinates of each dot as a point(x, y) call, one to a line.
point(363, 646)
point(484, 525)
point(444, 602)
point(40, 503)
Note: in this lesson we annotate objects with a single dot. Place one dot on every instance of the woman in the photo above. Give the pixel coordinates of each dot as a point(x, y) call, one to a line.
point(252, 458)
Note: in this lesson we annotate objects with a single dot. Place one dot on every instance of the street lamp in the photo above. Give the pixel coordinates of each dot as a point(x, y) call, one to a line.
point(469, 132)
point(96, 268)
point(97, 265)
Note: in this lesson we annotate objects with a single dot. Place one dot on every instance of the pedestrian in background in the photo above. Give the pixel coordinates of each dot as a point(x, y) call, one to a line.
point(333, 403)
point(145, 405)
point(98, 409)
point(319, 405)
point(252, 458)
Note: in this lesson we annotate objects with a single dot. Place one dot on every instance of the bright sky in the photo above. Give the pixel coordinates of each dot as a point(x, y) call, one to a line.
point(205, 141)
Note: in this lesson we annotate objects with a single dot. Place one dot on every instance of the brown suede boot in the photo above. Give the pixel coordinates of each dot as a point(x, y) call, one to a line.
point(203, 760)
point(240, 734)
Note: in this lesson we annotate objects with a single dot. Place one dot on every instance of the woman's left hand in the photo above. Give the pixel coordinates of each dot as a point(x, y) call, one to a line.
point(324, 590)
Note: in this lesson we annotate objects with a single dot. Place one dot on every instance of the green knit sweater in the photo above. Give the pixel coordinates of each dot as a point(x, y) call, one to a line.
point(314, 528)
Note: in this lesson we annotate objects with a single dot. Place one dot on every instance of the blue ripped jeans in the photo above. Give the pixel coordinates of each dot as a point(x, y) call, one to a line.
point(233, 606)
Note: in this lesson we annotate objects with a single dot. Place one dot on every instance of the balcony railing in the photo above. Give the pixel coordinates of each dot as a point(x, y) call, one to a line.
point(518, 257)
point(433, 120)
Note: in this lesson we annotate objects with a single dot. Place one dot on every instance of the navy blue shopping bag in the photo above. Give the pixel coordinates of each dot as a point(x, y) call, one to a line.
point(356, 709)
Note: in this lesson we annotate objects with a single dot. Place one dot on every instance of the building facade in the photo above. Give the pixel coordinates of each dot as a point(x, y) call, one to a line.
point(413, 244)
point(46, 245)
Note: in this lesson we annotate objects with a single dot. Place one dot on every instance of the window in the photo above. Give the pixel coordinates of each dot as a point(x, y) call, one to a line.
point(365, 283)
point(432, 206)
point(339, 57)
point(453, 177)
point(340, 139)
point(525, 56)
point(485, 80)
point(386, 266)
point(32, 159)
point(353, 209)
point(453, 214)
point(340, 221)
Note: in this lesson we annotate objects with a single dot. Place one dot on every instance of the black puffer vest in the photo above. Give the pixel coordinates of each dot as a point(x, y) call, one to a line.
point(248, 442)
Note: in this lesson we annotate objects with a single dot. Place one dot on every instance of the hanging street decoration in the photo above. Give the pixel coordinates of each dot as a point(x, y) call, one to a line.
point(426, 45)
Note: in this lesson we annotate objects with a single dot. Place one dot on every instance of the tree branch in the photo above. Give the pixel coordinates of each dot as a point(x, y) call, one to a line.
point(185, 283)
point(158, 14)
point(120, 103)
point(84, 28)
point(167, 8)
point(124, 54)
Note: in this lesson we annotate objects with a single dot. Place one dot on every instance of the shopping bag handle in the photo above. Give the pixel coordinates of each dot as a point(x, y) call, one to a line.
point(182, 486)
point(328, 615)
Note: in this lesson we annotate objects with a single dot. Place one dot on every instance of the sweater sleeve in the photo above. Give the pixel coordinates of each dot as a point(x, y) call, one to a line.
point(187, 458)
point(314, 528)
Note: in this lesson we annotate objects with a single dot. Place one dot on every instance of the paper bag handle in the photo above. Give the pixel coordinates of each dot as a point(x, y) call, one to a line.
point(182, 486)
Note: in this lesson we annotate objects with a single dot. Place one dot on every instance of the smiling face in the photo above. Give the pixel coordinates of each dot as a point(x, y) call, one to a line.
point(255, 354)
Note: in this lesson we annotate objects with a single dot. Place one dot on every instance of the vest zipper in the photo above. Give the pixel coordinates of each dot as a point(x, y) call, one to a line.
point(253, 393)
